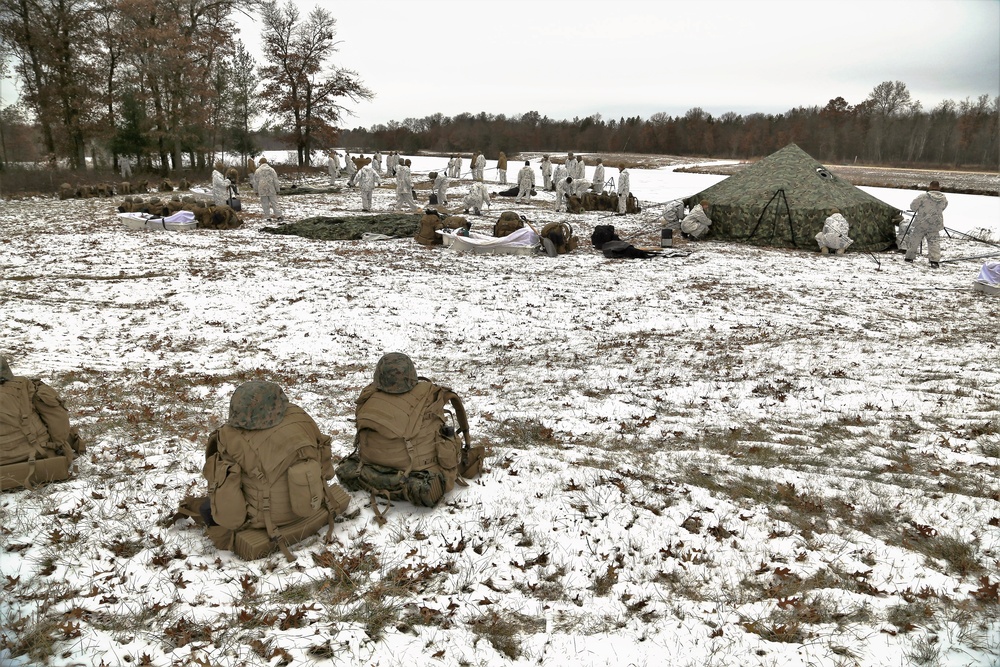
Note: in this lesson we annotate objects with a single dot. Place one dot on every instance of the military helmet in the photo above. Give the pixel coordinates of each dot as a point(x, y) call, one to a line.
point(257, 405)
point(395, 373)
point(5, 372)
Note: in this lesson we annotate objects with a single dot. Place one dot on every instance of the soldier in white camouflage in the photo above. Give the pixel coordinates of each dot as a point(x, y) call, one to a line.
point(928, 223)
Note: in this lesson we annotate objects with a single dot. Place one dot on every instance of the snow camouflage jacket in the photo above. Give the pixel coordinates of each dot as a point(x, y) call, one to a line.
point(929, 208)
point(368, 178)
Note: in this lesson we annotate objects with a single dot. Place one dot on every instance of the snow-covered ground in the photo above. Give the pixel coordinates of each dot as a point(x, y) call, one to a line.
point(736, 456)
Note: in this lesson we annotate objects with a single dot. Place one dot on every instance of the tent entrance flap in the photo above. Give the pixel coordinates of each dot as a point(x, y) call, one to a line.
point(777, 211)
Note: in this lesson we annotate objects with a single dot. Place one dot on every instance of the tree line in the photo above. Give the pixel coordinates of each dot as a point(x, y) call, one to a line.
point(164, 81)
point(888, 127)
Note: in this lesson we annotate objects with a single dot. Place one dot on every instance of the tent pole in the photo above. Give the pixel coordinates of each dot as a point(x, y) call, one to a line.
point(959, 259)
point(970, 236)
point(760, 218)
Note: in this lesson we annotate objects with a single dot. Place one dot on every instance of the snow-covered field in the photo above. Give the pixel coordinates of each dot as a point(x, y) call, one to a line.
point(738, 456)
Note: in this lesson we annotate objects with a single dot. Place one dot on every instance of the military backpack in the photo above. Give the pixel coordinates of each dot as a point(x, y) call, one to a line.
point(409, 445)
point(37, 443)
point(266, 470)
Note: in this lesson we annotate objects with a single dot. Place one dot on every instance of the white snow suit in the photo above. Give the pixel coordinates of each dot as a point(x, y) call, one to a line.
point(564, 187)
point(220, 188)
point(834, 234)
point(480, 166)
point(267, 187)
point(546, 167)
point(367, 179)
point(441, 187)
point(696, 223)
point(598, 178)
point(404, 188)
point(525, 183)
point(623, 190)
point(477, 199)
point(928, 224)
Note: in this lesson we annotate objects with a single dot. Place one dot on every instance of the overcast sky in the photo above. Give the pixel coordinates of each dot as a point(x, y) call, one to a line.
point(576, 58)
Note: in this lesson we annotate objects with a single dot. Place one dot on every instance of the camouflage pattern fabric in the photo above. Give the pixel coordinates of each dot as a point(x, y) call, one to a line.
point(784, 199)
point(5, 372)
point(395, 373)
point(257, 405)
point(421, 487)
point(350, 228)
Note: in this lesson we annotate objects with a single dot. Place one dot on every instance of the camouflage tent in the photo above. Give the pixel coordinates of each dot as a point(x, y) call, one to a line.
point(783, 200)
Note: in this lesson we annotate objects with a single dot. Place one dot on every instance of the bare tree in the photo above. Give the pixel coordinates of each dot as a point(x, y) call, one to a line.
point(298, 83)
point(245, 103)
point(889, 98)
point(53, 46)
point(174, 47)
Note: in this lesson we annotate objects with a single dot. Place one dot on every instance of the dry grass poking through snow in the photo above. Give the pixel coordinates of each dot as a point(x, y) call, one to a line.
point(740, 457)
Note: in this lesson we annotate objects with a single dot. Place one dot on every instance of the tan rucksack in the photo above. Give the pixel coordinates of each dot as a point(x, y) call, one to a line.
point(267, 488)
point(508, 223)
point(561, 235)
point(37, 443)
point(405, 448)
point(432, 221)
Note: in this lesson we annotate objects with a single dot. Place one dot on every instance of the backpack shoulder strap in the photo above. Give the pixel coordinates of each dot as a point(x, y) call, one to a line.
point(460, 414)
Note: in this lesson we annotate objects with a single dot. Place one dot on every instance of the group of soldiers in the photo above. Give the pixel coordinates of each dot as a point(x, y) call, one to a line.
point(567, 179)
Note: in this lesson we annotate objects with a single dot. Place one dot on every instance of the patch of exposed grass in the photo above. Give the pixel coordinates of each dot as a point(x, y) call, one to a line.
point(958, 554)
point(524, 434)
point(35, 639)
point(375, 613)
point(503, 629)
point(910, 615)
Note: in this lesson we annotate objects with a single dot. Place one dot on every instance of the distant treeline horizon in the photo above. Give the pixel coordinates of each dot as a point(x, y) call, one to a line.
point(887, 128)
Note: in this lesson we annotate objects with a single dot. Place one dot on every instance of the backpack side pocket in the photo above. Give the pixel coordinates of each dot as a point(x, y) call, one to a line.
point(225, 492)
point(306, 488)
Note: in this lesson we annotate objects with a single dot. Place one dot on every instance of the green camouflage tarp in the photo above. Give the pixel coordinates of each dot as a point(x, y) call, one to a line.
point(351, 228)
point(783, 200)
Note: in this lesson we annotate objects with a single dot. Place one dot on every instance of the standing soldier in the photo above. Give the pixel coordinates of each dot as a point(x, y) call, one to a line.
point(623, 189)
point(220, 185)
point(928, 222)
point(333, 165)
point(479, 167)
point(441, 187)
point(502, 168)
point(404, 187)
point(352, 169)
point(267, 187)
point(598, 183)
point(546, 167)
point(525, 182)
point(367, 179)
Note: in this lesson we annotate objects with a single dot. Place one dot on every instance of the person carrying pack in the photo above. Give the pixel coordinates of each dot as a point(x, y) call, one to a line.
point(266, 470)
point(37, 443)
point(405, 446)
